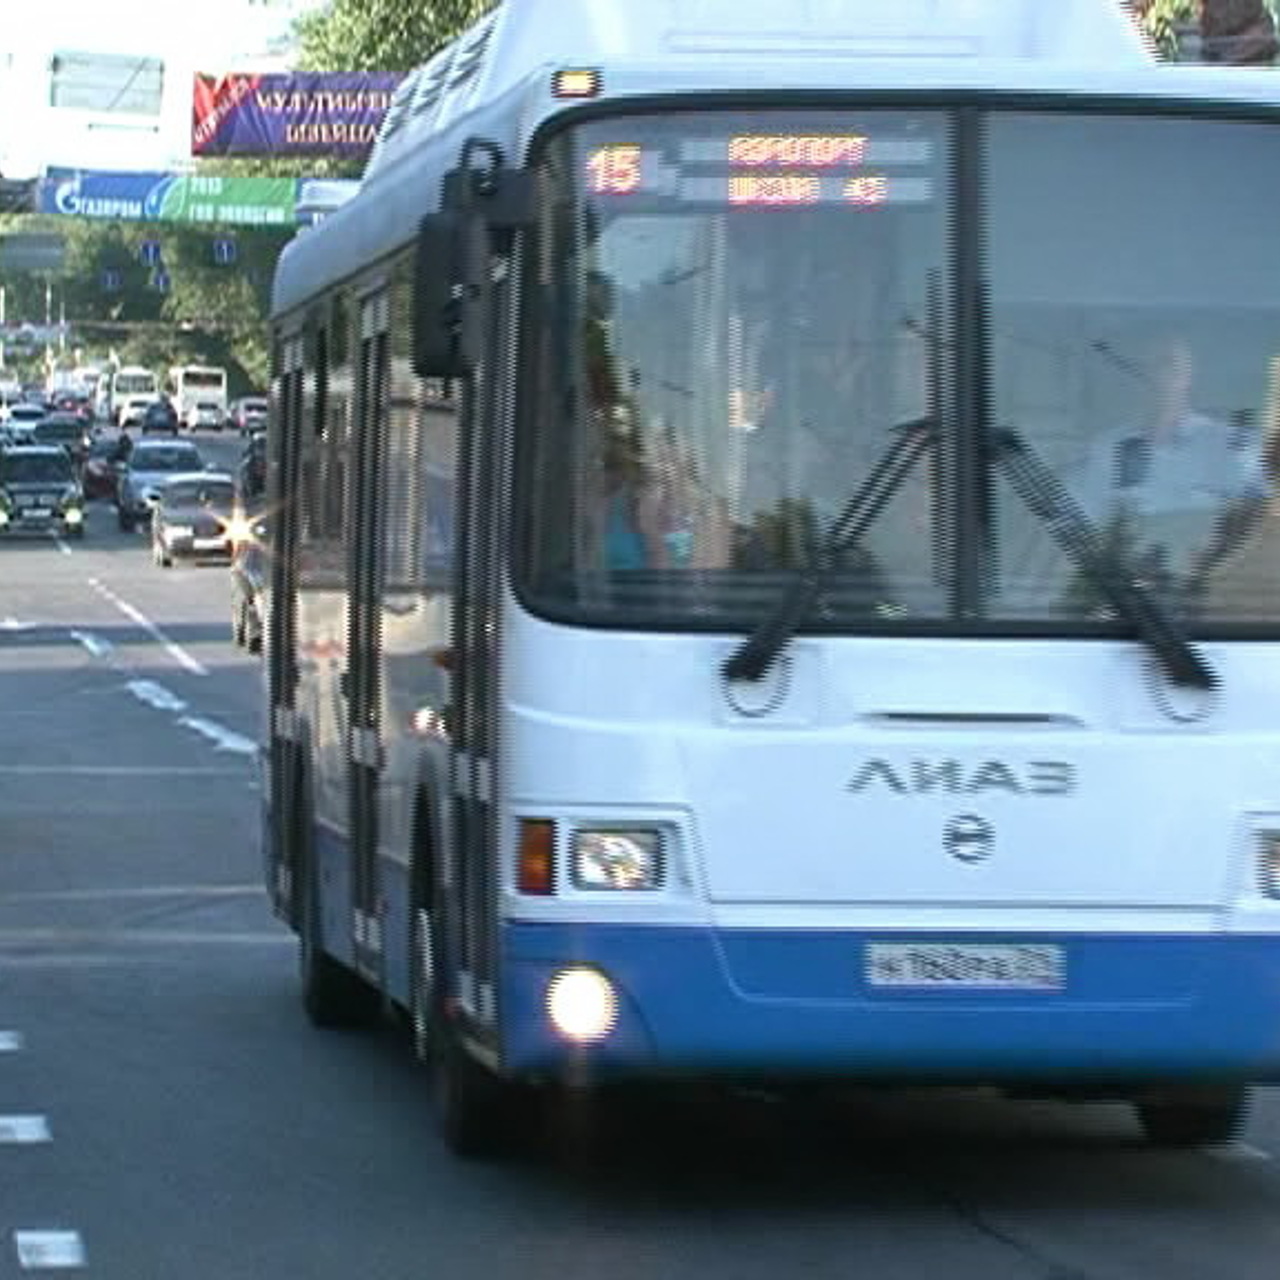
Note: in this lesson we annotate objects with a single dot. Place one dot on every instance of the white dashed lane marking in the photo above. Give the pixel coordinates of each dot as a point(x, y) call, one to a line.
point(21, 1130)
point(223, 739)
point(10, 1041)
point(95, 646)
point(173, 649)
point(162, 699)
point(50, 1250)
point(156, 695)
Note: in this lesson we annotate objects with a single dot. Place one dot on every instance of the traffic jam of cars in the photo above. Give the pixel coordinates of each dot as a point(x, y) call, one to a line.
point(57, 458)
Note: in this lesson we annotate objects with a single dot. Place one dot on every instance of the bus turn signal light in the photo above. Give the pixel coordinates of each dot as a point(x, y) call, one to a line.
point(1269, 863)
point(577, 83)
point(536, 864)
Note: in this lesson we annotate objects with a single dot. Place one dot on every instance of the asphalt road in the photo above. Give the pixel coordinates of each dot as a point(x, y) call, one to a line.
point(166, 1112)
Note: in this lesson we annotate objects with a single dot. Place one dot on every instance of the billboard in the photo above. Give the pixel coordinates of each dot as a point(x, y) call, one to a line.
point(294, 113)
point(170, 197)
point(37, 252)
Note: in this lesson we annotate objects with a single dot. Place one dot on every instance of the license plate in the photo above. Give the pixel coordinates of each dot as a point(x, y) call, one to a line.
point(36, 513)
point(966, 966)
point(209, 544)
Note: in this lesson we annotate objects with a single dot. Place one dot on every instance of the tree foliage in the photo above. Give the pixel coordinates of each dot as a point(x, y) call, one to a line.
point(208, 314)
point(1234, 31)
point(382, 35)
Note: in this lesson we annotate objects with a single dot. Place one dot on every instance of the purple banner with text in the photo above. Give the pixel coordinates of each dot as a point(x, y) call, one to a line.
point(300, 113)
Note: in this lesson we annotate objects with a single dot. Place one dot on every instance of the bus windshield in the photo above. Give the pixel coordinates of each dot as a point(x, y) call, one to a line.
point(193, 379)
point(741, 311)
point(134, 384)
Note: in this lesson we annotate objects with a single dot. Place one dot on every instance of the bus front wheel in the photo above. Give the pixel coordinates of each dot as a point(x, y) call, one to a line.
point(473, 1105)
point(1194, 1117)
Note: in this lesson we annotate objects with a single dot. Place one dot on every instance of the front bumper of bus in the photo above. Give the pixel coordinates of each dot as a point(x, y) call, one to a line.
point(780, 1003)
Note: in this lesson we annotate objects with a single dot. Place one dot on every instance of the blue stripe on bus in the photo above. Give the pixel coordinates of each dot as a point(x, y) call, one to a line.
point(694, 1000)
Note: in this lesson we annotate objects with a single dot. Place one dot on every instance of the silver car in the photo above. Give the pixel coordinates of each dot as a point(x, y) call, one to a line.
point(151, 464)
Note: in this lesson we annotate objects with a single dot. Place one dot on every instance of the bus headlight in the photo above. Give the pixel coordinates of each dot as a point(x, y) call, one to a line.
point(617, 859)
point(1269, 863)
point(582, 1004)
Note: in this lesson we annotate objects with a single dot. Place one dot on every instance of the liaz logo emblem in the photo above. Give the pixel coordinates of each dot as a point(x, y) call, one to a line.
point(969, 838)
point(956, 778)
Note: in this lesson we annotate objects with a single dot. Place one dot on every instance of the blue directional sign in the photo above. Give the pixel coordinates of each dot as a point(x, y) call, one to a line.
point(149, 252)
point(160, 281)
point(112, 280)
point(224, 252)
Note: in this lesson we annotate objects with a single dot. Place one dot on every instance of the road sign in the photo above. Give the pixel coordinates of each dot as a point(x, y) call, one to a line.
point(149, 252)
point(224, 252)
point(32, 251)
point(112, 280)
point(160, 281)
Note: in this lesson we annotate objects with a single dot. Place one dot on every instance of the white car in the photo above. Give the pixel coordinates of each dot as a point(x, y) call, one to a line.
point(204, 413)
point(133, 409)
point(22, 419)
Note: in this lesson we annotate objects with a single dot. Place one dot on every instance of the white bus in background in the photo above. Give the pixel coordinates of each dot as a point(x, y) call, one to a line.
point(86, 378)
point(774, 575)
point(133, 388)
point(199, 394)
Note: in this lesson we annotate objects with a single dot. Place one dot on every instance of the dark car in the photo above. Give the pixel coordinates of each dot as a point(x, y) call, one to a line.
point(248, 582)
point(98, 476)
point(64, 429)
point(196, 518)
point(160, 416)
point(39, 492)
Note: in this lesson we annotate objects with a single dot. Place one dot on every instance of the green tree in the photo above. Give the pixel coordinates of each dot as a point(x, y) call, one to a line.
point(209, 313)
point(382, 35)
point(1233, 31)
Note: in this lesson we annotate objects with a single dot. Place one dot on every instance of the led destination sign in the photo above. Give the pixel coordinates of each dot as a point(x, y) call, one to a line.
point(767, 169)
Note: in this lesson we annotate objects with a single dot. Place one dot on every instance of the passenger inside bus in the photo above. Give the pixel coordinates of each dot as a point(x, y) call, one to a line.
point(1179, 491)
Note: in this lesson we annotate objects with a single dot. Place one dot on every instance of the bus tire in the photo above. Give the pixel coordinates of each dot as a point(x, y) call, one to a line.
point(473, 1106)
point(1196, 1118)
point(332, 994)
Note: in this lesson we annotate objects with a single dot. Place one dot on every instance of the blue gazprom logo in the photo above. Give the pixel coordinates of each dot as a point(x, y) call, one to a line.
point(66, 196)
point(153, 205)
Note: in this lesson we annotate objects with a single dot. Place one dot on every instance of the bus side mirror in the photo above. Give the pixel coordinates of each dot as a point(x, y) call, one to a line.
point(446, 295)
point(480, 211)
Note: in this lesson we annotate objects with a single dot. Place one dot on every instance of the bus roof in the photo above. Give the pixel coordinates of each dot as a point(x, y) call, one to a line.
point(521, 37)
point(495, 80)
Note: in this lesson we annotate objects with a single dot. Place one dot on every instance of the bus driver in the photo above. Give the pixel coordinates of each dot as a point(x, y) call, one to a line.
point(1181, 493)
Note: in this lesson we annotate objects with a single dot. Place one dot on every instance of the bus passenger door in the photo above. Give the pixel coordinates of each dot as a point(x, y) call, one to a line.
point(281, 666)
point(473, 887)
point(362, 679)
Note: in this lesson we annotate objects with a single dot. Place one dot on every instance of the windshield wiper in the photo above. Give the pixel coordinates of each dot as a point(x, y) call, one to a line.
point(753, 658)
point(1045, 496)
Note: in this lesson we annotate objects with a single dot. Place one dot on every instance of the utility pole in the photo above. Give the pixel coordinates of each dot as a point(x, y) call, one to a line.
point(48, 321)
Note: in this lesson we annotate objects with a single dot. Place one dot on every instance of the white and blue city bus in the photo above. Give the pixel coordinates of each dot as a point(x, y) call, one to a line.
point(775, 569)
